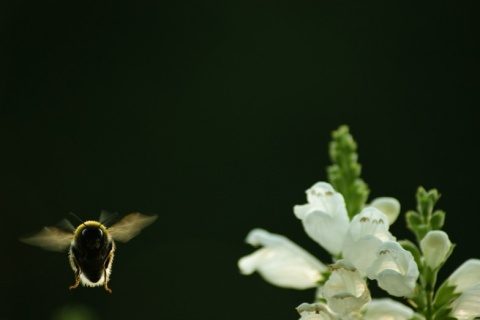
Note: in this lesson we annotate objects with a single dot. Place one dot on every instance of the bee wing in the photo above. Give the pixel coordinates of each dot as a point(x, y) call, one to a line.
point(106, 216)
point(130, 226)
point(66, 225)
point(50, 238)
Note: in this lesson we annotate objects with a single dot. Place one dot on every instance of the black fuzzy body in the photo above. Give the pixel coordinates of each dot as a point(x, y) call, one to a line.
point(91, 255)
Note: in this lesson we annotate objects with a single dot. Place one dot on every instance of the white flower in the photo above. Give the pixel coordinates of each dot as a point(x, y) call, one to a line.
point(387, 309)
point(435, 247)
point(394, 269)
point(466, 276)
point(345, 291)
point(324, 217)
point(367, 231)
point(389, 206)
point(466, 306)
point(315, 311)
point(281, 262)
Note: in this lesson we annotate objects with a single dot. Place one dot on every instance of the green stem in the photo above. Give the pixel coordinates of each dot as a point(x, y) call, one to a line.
point(430, 278)
point(429, 311)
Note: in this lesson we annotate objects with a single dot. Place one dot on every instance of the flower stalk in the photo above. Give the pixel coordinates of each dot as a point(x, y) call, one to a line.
point(344, 173)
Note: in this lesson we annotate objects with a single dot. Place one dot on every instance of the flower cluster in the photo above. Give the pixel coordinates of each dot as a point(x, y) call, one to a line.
point(362, 248)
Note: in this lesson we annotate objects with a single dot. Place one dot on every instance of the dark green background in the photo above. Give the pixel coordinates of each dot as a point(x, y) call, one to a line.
point(216, 115)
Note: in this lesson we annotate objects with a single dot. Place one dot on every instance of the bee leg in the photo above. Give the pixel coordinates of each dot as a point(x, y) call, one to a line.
point(105, 283)
point(105, 276)
point(77, 280)
point(77, 270)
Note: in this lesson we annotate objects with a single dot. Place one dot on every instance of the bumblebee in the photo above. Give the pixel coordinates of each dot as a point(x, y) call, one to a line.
point(91, 245)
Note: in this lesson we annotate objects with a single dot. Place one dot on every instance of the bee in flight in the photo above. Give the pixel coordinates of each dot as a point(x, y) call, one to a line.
point(91, 245)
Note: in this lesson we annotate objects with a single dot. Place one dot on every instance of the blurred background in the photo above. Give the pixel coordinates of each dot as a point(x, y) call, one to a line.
point(216, 115)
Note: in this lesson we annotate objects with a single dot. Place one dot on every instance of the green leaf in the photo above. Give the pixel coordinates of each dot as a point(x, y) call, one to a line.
point(447, 256)
point(437, 220)
point(422, 231)
point(413, 220)
point(414, 250)
point(443, 313)
point(423, 220)
point(419, 300)
point(324, 277)
point(417, 317)
point(445, 294)
point(344, 173)
point(426, 200)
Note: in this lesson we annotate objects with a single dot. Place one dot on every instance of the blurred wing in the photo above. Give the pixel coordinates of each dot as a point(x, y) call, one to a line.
point(130, 226)
point(66, 225)
point(50, 238)
point(106, 216)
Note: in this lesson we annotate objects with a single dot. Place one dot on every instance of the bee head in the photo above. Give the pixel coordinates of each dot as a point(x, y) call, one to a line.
point(91, 235)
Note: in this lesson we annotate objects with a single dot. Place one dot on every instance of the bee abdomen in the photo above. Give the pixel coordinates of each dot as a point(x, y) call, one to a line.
point(92, 269)
point(92, 264)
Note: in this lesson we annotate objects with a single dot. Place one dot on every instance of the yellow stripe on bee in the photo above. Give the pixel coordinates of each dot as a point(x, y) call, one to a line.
point(91, 223)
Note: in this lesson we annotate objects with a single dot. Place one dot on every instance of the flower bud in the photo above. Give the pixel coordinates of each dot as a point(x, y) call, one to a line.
point(435, 247)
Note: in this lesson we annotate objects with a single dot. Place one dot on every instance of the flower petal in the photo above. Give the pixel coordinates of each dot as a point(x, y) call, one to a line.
point(345, 291)
point(328, 231)
point(394, 269)
point(389, 206)
point(324, 197)
point(466, 276)
point(361, 253)
point(366, 232)
point(387, 309)
point(324, 217)
point(281, 262)
point(301, 210)
point(466, 306)
point(315, 311)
